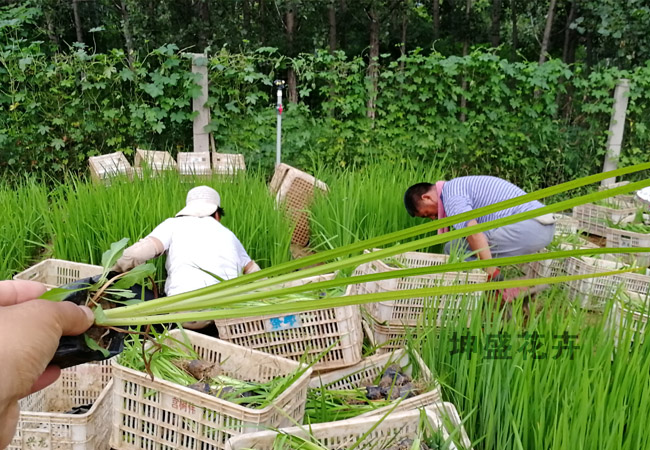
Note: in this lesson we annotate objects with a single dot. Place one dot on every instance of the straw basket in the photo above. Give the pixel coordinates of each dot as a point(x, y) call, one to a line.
point(295, 190)
point(365, 372)
point(378, 435)
point(157, 415)
point(57, 272)
point(412, 310)
point(44, 424)
point(309, 333)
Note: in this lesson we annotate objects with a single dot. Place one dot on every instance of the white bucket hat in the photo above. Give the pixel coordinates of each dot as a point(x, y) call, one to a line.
point(201, 201)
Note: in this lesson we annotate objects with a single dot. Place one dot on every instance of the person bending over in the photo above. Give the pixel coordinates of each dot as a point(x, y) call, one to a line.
point(463, 194)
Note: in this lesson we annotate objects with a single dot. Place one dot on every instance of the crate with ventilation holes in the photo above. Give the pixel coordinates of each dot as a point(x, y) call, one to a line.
point(227, 163)
point(57, 272)
point(104, 167)
point(294, 190)
point(194, 164)
point(594, 293)
point(409, 311)
point(74, 413)
point(160, 415)
point(369, 433)
point(595, 219)
point(305, 334)
point(154, 160)
point(367, 371)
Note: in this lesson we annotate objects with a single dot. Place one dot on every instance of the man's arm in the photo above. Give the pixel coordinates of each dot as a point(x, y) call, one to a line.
point(478, 242)
point(139, 253)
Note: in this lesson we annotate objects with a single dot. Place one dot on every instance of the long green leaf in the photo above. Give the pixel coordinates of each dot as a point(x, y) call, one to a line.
point(188, 300)
point(308, 305)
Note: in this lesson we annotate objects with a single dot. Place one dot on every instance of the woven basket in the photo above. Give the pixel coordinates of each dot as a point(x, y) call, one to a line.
point(411, 310)
point(616, 238)
point(365, 372)
point(594, 218)
point(104, 167)
point(227, 163)
point(294, 190)
point(194, 163)
point(594, 293)
point(380, 436)
point(307, 333)
point(157, 415)
point(155, 160)
point(43, 422)
point(57, 272)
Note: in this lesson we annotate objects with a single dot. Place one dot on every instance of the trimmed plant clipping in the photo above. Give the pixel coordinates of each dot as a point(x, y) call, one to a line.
point(102, 292)
point(165, 357)
point(232, 298)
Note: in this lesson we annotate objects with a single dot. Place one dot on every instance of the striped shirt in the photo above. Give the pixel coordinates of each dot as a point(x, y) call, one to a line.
point(467, 193)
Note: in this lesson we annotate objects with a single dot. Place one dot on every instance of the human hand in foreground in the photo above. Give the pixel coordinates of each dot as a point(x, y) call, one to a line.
point(29, 336)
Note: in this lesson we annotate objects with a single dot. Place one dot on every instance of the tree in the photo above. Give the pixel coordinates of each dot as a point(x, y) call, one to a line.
point(77, 21)
point(495, 31)
point(547, 31)
point(289, 26)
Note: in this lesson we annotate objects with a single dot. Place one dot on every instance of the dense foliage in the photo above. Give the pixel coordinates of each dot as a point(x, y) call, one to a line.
point(533, 124)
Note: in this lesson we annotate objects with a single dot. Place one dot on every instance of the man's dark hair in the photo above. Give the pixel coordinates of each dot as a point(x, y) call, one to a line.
point(220, 211)
point(413, 197)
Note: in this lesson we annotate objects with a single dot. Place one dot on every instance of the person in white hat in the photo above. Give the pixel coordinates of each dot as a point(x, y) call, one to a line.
point(197, 246)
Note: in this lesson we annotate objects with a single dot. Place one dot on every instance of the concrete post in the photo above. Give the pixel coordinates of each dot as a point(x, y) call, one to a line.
point(616, 128)
point(201, 136)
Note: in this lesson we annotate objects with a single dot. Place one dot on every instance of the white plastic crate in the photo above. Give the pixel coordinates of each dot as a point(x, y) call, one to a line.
point(227, 163)
point(381, 436)
point(387, 338)
point(57, 272)
point(43, 423)
point(594, 219)
point(411, 310)
point(365, 372)
point(566, 224)
point(157, 415)
point(294, 190)
point(594, 293)
point(546, 268)
point(623, 319)
point(103, 167)
point(194, 163)
point(616, 238)
point(627, 197)
point(155, 160)
point(307, 333)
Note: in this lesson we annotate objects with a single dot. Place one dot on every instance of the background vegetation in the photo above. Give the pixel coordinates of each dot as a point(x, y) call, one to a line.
point(475, 86)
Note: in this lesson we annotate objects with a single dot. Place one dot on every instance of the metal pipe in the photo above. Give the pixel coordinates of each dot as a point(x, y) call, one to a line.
point(279, 84)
